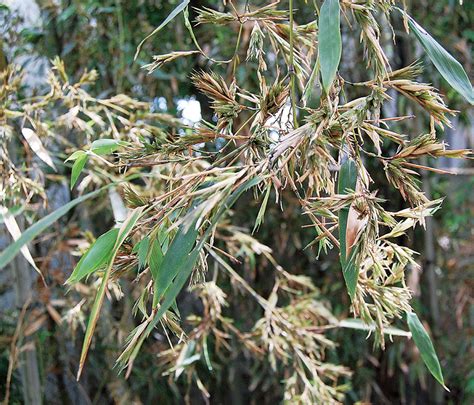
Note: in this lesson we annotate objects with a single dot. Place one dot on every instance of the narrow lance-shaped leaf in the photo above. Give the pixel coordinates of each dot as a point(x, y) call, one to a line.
point(141, 249)
point(450, 68)
point(177, 253)
point(181, 6)
point(425, 346)
point(347, 180)
point(359, 324)
point(12, 226)
point(185, 267)
point(37, 146)
point(329, 41)
point(34, 230)
point(123, 232)
point(173, 261)
point(106, 146)
point(80, 158)
point(155, 259)
point(96, 257)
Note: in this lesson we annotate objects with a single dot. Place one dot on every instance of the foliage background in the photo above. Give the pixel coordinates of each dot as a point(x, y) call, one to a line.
point(103, 35)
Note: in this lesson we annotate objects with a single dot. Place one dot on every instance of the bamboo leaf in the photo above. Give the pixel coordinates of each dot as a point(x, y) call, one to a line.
point(425, 346)
point(78, 166)
point(263, 207)
point(142, 248)
point(76, 155)
point(174, 259)
point(106, 146)
point(123, 232)
point(97, 256)
point(33, 231)
point(12, 226)
point(186, 265)
point(37, 146)
point(308, 90)
point(329, 41)
point(358, 324)
point(181, 6)
point(450, 68)
point(347, 181)
point(156, 259)
point(231, 200)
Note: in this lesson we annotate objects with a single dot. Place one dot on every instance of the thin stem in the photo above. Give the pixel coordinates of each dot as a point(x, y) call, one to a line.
point(121, 70)
point(292, 69)
point(236, 51)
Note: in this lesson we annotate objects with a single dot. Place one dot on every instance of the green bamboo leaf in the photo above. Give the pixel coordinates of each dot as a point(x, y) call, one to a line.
point(173, 283)
point(230, 201)
point(76, 155)
point(263, 207)
point(142, 250)
point(187, 239)
point(106, 146)
point(174, 259)
point(136, 246)
point(206, 354)
point(329, 41)
point(97, 256)
point(181, 6)
point(156, 259)
point(177, 284)
point(169, 300)
point(450, 68)
point(347, 181)
point(425, 346)
point(34, 230)
point(123, 232)
point(78, 166)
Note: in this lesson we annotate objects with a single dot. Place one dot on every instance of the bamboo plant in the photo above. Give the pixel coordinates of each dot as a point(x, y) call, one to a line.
point(298, 131)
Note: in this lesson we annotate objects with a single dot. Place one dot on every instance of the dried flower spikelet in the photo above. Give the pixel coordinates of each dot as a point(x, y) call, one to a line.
point(279, 38)
point(58, 66)
point(207, 15)
point(268, 12)
point(160, 60)
point(255, 50)
point(403, 179)
point(132, 198)
point(426, 96)
point(410, 72)
point(370, 37)
point(222, 96)
point(10, 81)
point(273, 99)
point(427, 144)
point(88, 77)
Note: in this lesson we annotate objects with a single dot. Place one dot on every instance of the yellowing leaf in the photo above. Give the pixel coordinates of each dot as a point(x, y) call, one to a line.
point(34, 230)
point(347, 181)
point(12, 226)
point(37, 146)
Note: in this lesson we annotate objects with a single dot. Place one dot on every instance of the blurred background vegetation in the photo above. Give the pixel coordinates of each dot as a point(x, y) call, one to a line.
point(103, 35)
